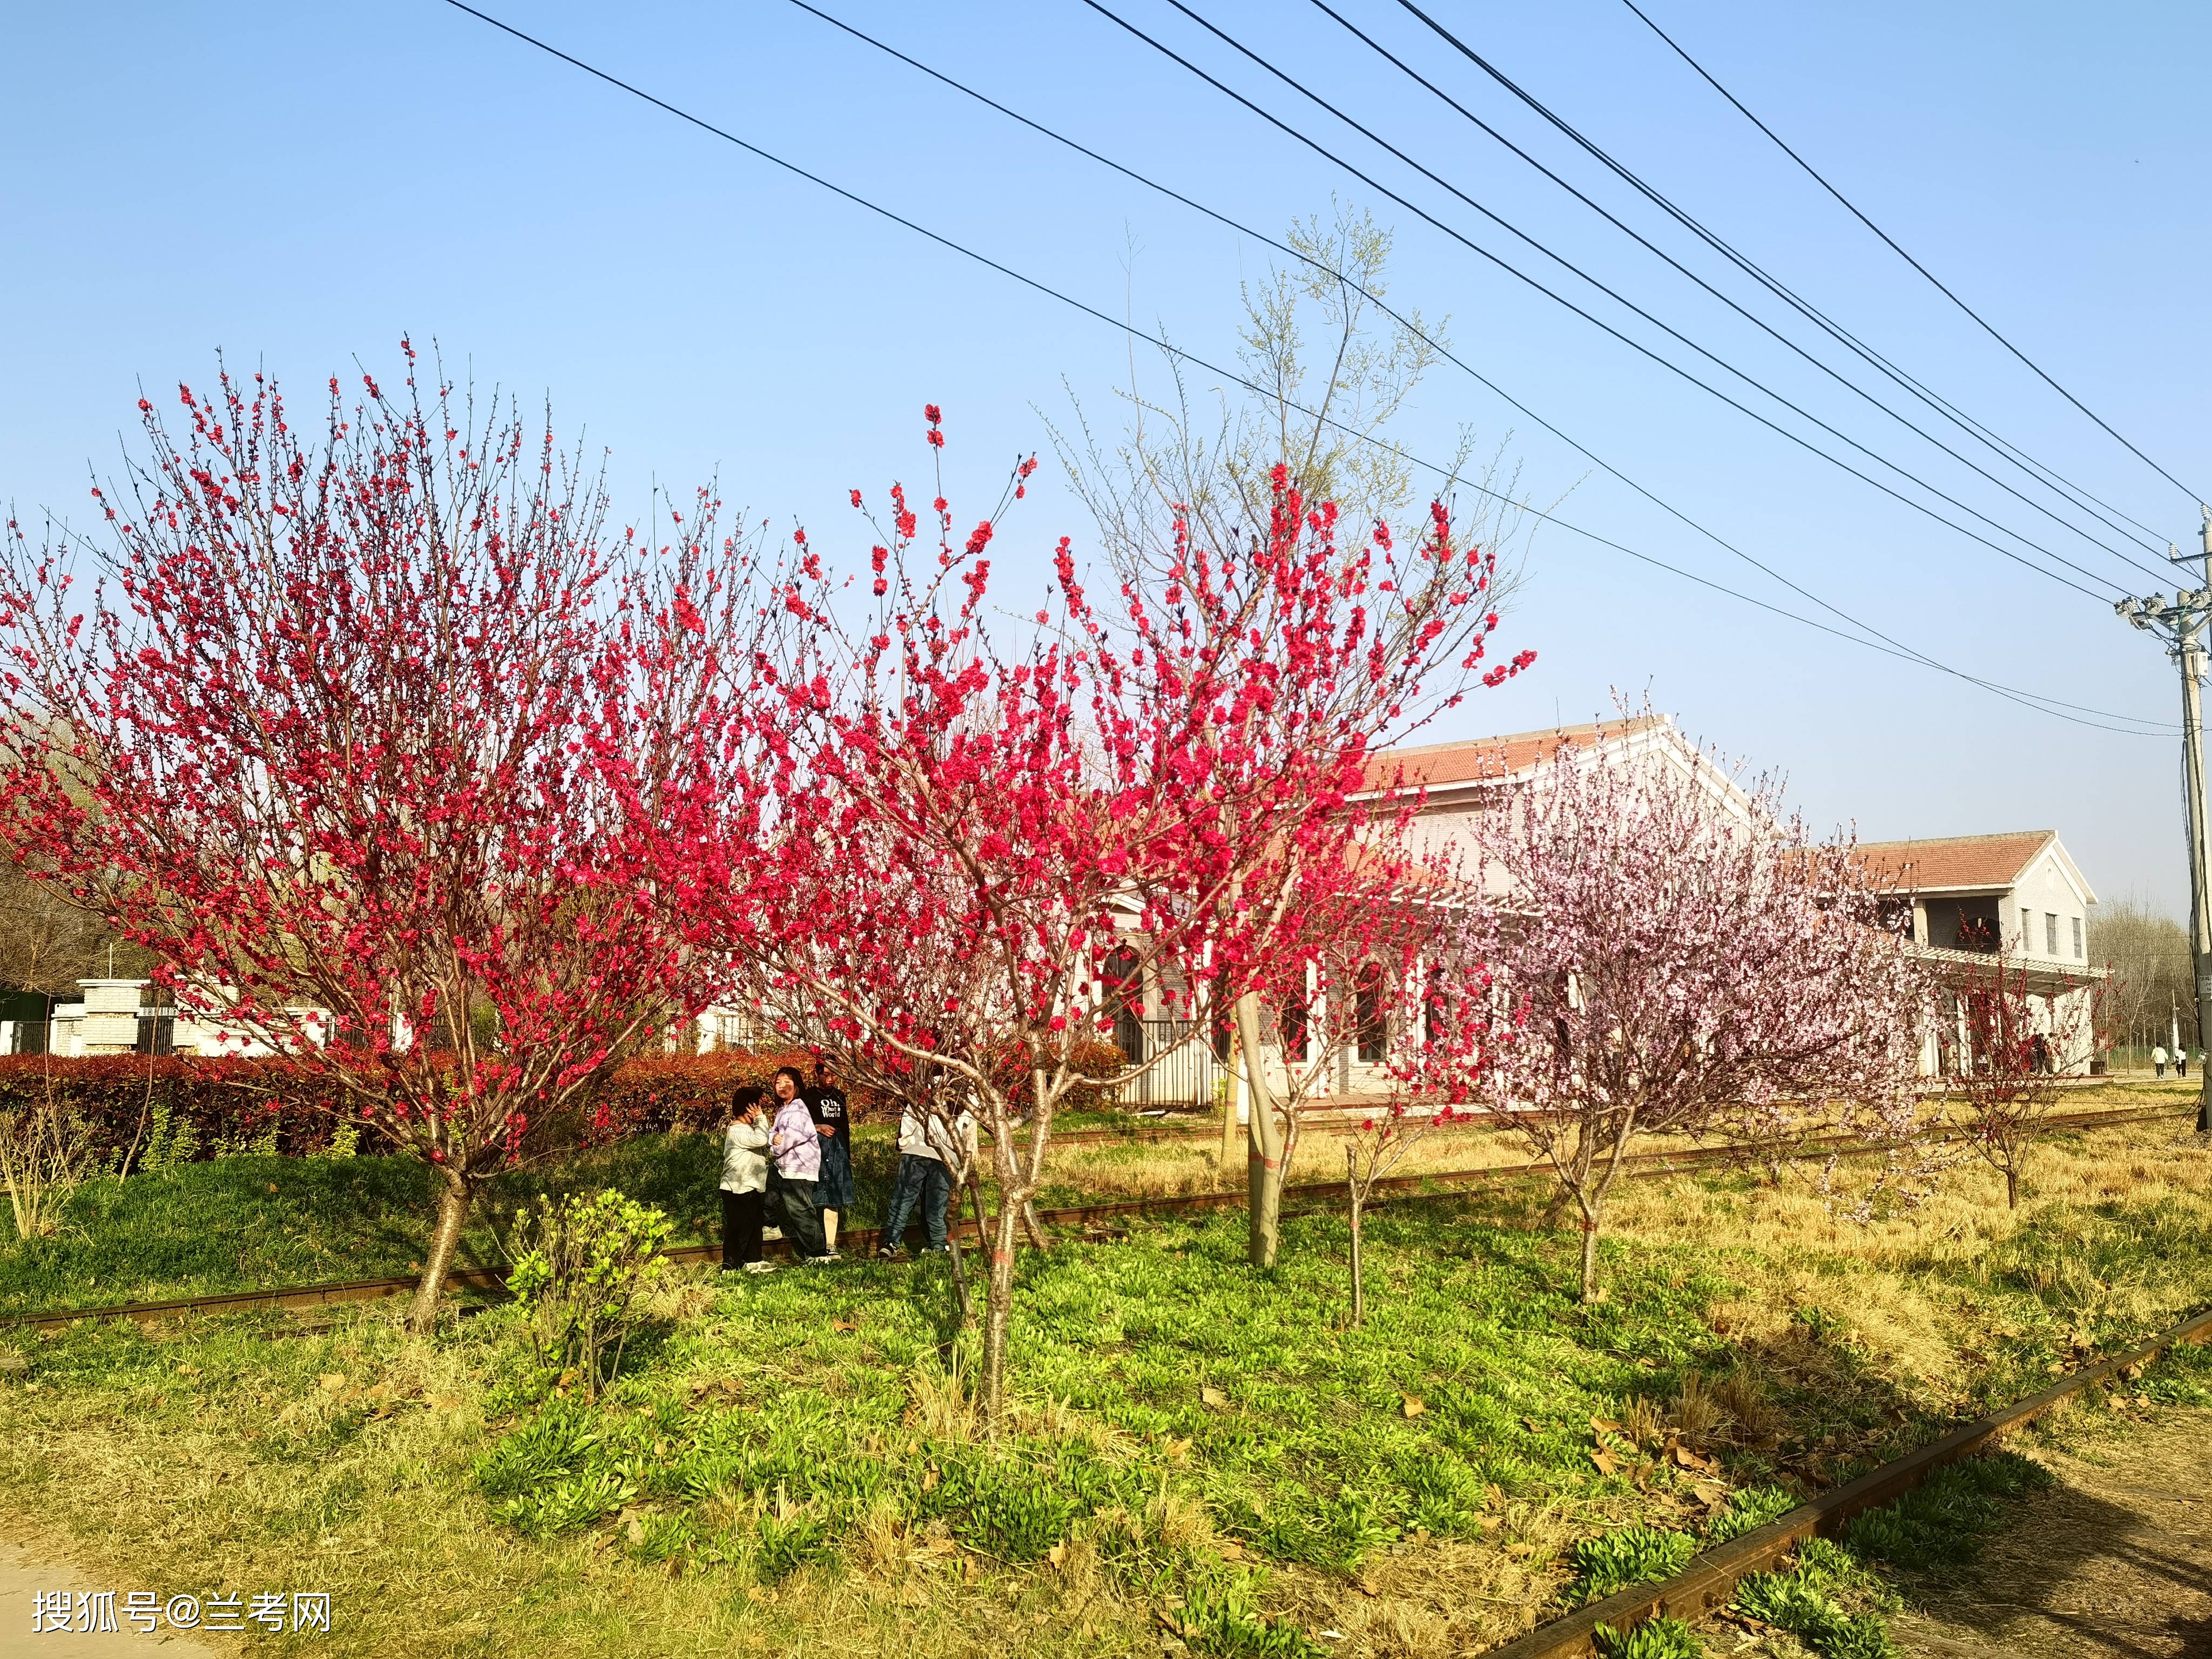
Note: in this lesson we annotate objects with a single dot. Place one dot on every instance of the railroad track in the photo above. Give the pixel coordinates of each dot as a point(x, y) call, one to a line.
point(1708, 1583)
point(1301, 1198)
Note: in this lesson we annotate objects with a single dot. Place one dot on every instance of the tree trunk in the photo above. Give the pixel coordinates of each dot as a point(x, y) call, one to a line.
point(1589, 1253)
point(952, 1252)
point(998, 1306)
point(1265, 1154)
point(2012, 1189)
point(445, 1239)
point(1352, 1188)
point(1229, 1086)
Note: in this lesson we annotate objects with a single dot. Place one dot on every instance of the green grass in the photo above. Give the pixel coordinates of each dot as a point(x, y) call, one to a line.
point(252, 1223)
point(245, 1222)
point(787, 1460)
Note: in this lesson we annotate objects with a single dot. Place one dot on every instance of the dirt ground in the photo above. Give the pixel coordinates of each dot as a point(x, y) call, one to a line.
point(2116, 1561)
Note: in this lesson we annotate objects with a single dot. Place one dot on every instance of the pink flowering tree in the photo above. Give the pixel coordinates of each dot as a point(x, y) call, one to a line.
point(1669, 952)
point(347, 728)
point(2015, 1041)
point(1405, 996)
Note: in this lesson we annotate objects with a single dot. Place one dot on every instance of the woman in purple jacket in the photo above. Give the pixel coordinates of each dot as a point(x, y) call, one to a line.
point(797, 1149)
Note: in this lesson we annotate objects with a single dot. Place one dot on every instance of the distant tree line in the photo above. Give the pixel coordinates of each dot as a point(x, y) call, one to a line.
point(2148, 953)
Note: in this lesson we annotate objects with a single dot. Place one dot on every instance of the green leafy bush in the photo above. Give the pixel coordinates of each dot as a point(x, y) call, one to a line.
point(1748, 1511)
point(548, 1475)
point(1221, 1624)
point(1800, 1602)
point(1638, 1554)
point(582, 1264)
point(1944, 1519)
point(1655, 1638)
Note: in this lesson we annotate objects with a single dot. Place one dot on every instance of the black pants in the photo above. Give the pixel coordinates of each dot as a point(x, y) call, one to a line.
point(802, 1217)
point(743, 1215)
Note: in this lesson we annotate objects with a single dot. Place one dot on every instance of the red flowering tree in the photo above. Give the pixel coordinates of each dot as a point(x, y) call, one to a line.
point(1109, 799)
point(1669, 952)
point(348, 730)
point(1285, 663)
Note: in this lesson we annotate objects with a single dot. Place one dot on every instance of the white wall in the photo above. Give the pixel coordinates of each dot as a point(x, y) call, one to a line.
point(2043, 890)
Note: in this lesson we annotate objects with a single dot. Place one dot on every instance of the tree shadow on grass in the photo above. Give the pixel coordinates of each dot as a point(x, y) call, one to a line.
point(2075, 1573)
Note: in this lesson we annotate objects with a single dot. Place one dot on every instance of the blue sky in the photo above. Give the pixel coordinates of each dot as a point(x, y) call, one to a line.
point(300, 186)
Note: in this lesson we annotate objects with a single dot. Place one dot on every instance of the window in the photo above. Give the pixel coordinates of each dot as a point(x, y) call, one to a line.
point(2077, 938)
point(1125, 1002)
point(1291, 1025)
point(2026, 931)
point(1367, 1014)
point(2050, 934)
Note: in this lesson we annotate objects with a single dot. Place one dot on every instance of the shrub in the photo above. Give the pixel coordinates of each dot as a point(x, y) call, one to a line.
point(45, 1153)
point(582, 1264)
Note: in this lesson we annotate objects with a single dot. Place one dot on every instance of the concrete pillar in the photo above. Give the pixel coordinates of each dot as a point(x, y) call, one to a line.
point(110, 1026)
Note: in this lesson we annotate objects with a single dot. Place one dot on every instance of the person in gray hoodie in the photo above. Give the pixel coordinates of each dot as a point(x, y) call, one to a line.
point(745, 1180)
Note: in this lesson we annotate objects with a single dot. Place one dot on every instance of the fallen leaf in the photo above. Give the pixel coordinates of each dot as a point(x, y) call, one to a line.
point(1213, 1397)
point(929, 1478)
point(843, 1325)
point(1604, 1425)
point(1365, 1586)
point(1606, 1463)
point(1413, 1406)
point(1232, 1550)
point(635, 1532)
point(1523, 1549)
point(1056, 1554)
point(1178, 1449)
point(332, 1381)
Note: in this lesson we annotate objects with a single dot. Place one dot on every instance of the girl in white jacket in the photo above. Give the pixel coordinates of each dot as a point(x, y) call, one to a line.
point(745, 1181)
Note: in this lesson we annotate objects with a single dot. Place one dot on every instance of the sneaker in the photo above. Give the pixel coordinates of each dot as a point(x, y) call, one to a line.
point(889, 1253)
point(821, 1260)
point(760, 1267)
point(937, 1249)
point(771, 1232)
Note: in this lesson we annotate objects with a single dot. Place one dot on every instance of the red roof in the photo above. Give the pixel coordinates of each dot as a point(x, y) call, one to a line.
point(1471, 760)
point(1955, 861)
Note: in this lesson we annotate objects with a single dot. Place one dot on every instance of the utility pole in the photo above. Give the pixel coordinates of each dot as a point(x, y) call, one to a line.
point(2181, 624)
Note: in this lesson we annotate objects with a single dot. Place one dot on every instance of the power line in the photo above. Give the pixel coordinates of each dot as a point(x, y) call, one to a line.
point(1987, 327)
point(2088, 502)
point(2027, 699)
point(1749, 316)
point(1476, 247)
point(1444, 351)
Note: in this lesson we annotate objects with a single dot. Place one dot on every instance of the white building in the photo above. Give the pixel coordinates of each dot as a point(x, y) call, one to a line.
point(112, 1017)
point(2017, 897)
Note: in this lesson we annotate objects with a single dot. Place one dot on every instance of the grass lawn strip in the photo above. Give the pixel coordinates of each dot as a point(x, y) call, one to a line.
point(789, 1457)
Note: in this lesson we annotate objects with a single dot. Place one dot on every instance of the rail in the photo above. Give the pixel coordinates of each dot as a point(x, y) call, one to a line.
point(1442, 1183)
point(1708, 1583)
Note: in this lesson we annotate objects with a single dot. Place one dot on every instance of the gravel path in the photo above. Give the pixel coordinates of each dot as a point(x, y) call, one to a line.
point(23, 1576)
point(2115, 1562)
